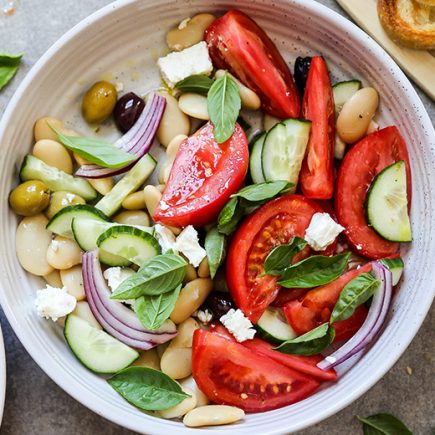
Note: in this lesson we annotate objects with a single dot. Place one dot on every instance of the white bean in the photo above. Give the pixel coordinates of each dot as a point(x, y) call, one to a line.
point(53, 279)
point(182, 408)
point(194, 105)
point(83, 311)
point(81, 160)
point(133, 217)
point(134, 201)
point(269, 121)
point(149, 358)
point(174, 121)
point(161, 348)
point(102, 185)
point(54, 154)
point(152, 197)
point(190, 274)
point(176, 362)
point(189, 32)
point(42, 128)
point(356, 114)
point(213, 415)
point(31, 243)
point(72, 279)
point(373, 126)
point(171, 153)
point(204, 269)
point(63, 253)
point(185, 333)
point(201, 398)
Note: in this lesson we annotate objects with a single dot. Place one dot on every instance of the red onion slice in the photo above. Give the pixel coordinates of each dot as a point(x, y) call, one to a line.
point(372, 325)
point(136, 141)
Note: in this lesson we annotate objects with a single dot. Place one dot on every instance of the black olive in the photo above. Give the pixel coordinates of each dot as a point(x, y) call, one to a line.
point(127, 110)
point(302, 66)
point(219, 303)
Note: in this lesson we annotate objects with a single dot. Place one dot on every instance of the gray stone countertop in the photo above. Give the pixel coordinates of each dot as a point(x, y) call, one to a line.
point(36, 405)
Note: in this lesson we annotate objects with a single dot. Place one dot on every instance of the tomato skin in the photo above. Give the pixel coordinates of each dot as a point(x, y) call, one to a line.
point(225, 369)
point(238, 44)
point(317, 173)
point(316, 307)
point(286, 295)
point(271, 225)
point(203, 177)
point(360, 166)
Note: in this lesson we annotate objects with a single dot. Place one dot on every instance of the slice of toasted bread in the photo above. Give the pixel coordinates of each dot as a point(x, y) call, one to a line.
point(409, 22)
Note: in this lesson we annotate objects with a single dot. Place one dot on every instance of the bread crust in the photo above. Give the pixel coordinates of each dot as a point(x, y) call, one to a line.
point(401, 20)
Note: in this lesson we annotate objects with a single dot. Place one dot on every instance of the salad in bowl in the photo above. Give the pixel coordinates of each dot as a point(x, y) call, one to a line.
point(206, 267)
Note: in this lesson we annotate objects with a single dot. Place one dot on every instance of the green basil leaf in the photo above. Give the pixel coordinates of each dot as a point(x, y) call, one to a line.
point(314, 271)
point(153, 311)
point(262, 191)
point(311, 343)
point(280, 258)
point(383, 424)
point(9, 64)
point(354, 294)
point(160, 274)
point(215, 246)
point(223, 102)
point(148, 389)
point(95, 150)
point(230, 216)
point(198, 83)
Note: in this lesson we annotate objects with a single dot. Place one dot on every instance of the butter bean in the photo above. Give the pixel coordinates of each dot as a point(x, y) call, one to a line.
point(54, 154)
point(63, 253)
point(152, 197)
point(185, 333)
point(171, 153)
point(201, 398)
point(133, 217)
point(204, 269)
point(194, 105)
point(182, 408)
point(72, 279)
point(134, 201)
point(83, 311)
point(102, 185)
point(213, 415)
point(53, 279)
point(190, 274)
point(176, 362)
point(42, 129)
point(149, 358)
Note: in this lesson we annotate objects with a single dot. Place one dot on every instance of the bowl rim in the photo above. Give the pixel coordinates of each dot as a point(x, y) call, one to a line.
point(74, 388)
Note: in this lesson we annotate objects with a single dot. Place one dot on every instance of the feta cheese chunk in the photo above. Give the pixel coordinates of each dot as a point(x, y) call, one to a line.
point(178, 65)
point(239, 325)
point(203, 316)
point(322, 231)
point(165, 237)
point(53, 303)
point(117, 275)
point(187, 243)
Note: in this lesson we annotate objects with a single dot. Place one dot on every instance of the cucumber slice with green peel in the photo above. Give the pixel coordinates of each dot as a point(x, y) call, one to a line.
point(55, 179)
point(137, 175)
point(284, 149)
point(343, 91)
point(387, 204)
point(130, 243)
point(96, 349)
point(395, 266)
point(273, 327)
point(255, 165)
point(60, 223)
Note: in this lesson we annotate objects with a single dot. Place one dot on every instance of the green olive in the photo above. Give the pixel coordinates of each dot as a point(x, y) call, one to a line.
point(60, 200)
point(99, 102)
point(29, 198)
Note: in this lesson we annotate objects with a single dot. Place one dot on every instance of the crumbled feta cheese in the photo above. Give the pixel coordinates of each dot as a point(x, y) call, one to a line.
point(176, 66)
point(119, 86)
point(203, 316)
point(187, 243)
point(165, 237)
point(70, 197)
point(239, 325)
point(322, 231)
point(117, 275)
point(52, 302)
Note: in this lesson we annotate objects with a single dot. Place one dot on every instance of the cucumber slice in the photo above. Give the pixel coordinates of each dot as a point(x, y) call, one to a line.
point(395, 266)
point(343, 91)
point(387, 204)
point(60, 223)
point(273, 327)
point(137, 175)
point(35, 169)
point(255, 166)
point(96, 349)
point(130, 243)
point(284, 149)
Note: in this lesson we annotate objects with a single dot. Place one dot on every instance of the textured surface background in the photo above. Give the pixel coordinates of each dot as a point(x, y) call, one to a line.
point(35, 405)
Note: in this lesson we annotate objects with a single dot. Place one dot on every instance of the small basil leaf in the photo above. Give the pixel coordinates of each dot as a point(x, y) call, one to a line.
point(383, 424)
point(311, 343)
point(354, 294)
point(198, 83)
point(9, 64)
point(95, 150)
point(153, 311)
point(148, 389)
point(262, 191)
point(160, 274)
point(223, 102)
point(230, 216)
point(215, 246)
point(280, 258)
point(314, 271)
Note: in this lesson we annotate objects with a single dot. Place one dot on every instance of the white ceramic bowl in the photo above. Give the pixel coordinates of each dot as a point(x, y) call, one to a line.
point(125, 38)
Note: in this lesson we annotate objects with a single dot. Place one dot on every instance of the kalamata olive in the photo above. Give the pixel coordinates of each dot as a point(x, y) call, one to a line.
point(302, 66)
point(99, 102)
point(127, 111)
point(219, 303)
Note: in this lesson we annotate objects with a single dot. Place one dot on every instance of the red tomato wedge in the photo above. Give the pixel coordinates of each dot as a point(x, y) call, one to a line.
point(316, 307)
point(360, 166)
point(303, 364)
point(238, 44)
point(273, 224)
point(317, 173)
point(203, 177)
point(229, 373)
